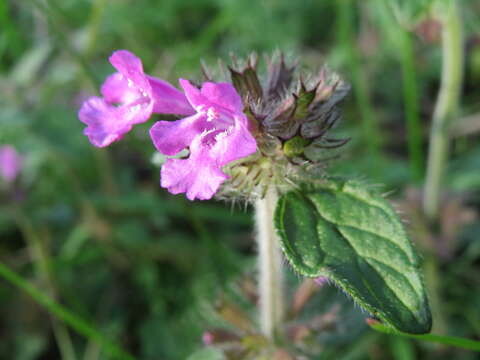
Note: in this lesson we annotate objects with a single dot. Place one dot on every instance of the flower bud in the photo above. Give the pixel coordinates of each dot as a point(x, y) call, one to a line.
point(290, 115)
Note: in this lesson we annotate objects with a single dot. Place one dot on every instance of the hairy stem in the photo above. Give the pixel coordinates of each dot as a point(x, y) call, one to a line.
point(446, 106)
point(270, 267)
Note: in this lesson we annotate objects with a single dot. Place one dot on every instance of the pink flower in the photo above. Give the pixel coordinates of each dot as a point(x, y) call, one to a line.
point(321, 280)
point(208, 338)
point(215, 130)
point(215, 135)
point(10, 163)
point(129, 97)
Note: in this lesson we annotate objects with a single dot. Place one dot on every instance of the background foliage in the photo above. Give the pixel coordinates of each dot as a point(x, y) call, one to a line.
point(93, 229)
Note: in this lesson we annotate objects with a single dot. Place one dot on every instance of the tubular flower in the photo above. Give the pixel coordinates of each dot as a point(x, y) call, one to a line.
point(217, 134)
point(129, 97)
point(10, 163)
point(215, 131)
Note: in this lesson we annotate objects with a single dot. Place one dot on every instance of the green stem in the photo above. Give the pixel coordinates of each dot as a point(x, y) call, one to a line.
point(439, 339)
point(63, 314)
point(410, 96)
point(446, 106)
point(269, 267)
point(41, 259)
point(346, 35)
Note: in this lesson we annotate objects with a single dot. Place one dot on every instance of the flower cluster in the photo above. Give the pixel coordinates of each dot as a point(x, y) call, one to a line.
point(215, 131)
point(242, 136)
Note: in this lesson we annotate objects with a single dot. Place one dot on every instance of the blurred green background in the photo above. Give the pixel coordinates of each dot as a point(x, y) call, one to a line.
point(93, 229)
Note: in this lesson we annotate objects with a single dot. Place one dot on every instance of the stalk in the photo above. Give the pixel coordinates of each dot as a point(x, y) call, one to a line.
point(410, 96)
point(269, 267)
point(346, 38)
point(445, 109)
point(446, 106)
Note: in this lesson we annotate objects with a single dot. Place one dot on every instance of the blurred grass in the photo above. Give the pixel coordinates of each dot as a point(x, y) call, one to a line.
point(348, 43)
point(63, 314)
point(147, 267)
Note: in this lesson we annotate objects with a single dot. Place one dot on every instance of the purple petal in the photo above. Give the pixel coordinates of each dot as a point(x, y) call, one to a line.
point(170, 137)
point(198, 176)
point(223, 94)
point(216, 135)
point(10, 163)
point(101, 119)
point(235, 143)
point(107, 123)
point(168, 99)
point(131, 67)
point(129, 97)
point(194, 96)
point(116, 89)
point(184, 176)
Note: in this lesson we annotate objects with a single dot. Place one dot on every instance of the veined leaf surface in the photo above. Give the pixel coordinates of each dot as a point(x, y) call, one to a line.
point(351, 234)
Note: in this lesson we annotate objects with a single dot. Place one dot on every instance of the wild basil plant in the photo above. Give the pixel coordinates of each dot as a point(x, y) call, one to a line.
point(265, 140)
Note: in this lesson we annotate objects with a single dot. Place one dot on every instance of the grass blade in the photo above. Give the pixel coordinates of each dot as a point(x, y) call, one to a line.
point(75, 322)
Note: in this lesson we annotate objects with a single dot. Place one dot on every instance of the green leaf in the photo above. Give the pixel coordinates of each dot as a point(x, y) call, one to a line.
point(207, 354)
point(350, 233)
point(439, 339)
